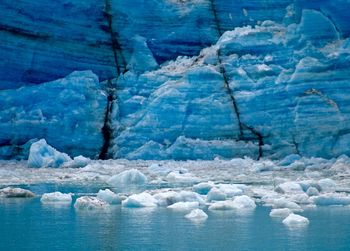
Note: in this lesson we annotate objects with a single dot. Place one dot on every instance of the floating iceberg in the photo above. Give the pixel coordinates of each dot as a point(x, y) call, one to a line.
point(197, 215)
point(10, 192)
point(56, 197)
point(295, 220)
point(215, 194)
point(90, 203)
point(184, 206)
point(108, 196)
point(280, 212)
point(289, 187)
point(327, 185)
point(243, 202)
point(203, 187)
point(43, 155)
point(128, 177)
point(140, 200)
point(331, 199)
point(180, 177)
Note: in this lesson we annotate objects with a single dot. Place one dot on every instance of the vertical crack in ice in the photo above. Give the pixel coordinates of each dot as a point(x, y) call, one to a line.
point(106, 129)
point(120, 64)
point(116, 47)
point(241, 125)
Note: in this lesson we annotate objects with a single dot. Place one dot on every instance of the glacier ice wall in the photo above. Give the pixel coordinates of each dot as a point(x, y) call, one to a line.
point(183, 79)
point(67, 112)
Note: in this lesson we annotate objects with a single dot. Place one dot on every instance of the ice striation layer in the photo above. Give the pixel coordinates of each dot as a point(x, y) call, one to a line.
point(195, 79)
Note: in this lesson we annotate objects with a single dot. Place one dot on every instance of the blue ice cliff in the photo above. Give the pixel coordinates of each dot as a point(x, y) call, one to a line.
point(160, 79)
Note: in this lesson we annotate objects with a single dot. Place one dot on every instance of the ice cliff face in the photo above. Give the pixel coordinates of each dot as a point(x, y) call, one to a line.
point(254, 78)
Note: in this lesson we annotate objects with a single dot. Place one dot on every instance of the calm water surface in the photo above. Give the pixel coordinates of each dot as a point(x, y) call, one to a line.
point(26, 224)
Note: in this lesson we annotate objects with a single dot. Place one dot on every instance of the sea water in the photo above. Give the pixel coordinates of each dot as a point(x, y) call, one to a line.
point(27, 224)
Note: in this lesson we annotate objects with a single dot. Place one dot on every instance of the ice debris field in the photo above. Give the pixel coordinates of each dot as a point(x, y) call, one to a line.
point(288, 186)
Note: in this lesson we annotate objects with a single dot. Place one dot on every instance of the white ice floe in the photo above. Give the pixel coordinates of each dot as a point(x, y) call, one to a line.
point(43, 155)
point(184, 206)
point(11, 192)
point(203, 187)
point(215, 194)
point(180, 177)
point(331, 199)
point(90, 203)
point(232, 189)
point(239, 202)
point(222, 205)
point(128, 177)
point(327, 185)
point(56, 197)
point(280, 212)
point(285, 203)
point(197, 215)
point(140, 200)
point(77, 162)
point(244, 202)
point(295, 220)
point(108, 196)
point(289, 187)
point(158, 170)
point(312, 191)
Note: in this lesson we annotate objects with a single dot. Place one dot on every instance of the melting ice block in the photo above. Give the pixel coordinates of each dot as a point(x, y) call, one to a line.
point(108, 196)
point(90, 203)
point(280, 212)
point(56, 197)
point(128, 177)
point(203, 187)
point(140, 200)
point(197, 215)
point(10, 192)
point(43, 155)
point(216, 194)
point(295, 220)
point(184, 206)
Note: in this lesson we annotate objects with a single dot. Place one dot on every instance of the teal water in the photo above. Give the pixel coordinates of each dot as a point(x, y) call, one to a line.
point(26, 224)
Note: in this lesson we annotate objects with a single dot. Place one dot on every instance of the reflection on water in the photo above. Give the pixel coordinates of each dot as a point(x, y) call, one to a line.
point(26, 224)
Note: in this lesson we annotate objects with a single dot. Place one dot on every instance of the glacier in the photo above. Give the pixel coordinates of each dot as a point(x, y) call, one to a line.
point(196, 79)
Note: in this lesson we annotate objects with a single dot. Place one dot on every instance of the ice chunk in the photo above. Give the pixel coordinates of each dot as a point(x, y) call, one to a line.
point(285, 203)
point(216, 194)
point(158, 170)
point(128, 177)
point(295, 220)
point(222, 205)
point(10, 192)
point(331, 199)
point(327, 185)
point(232, 189)
point(77, 162)
point(244, 202)
point(56, 197)
point(289, 187)
point(179, 177)
point(108, 196)
point(170, 197)
point(300, 198)
point(197, 215)
point(140, 200)
point(312, 191)
point(90, 203)
point(290, 159)
point(184, 206)
point(43, 155)
point(203, 187)
point(280, 212)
